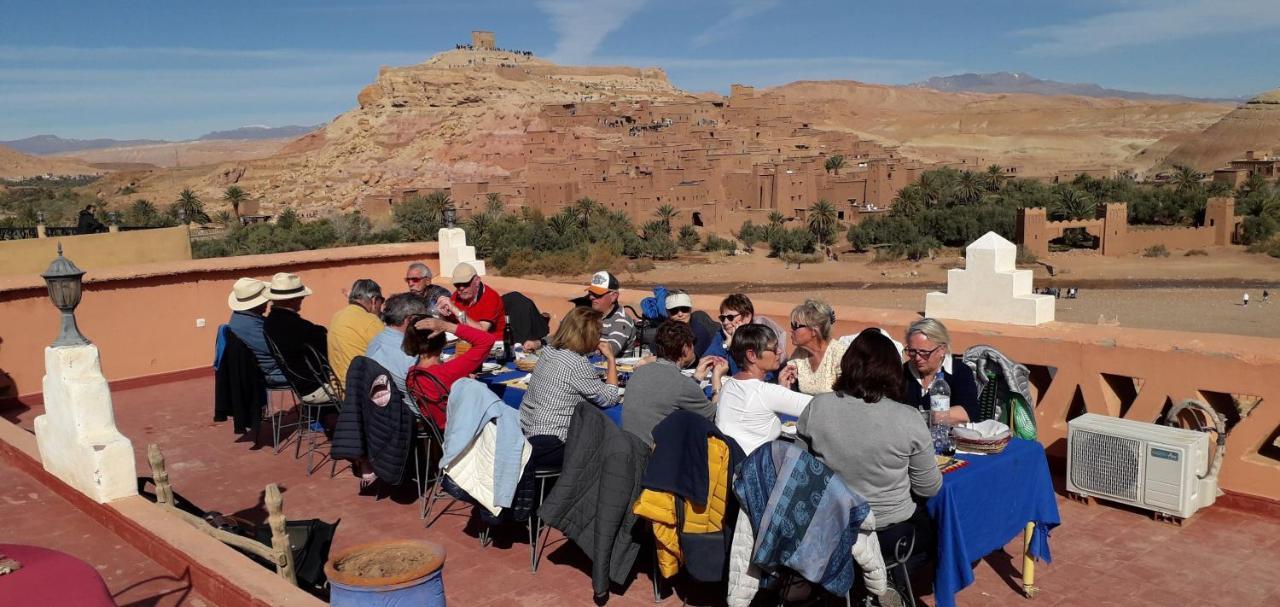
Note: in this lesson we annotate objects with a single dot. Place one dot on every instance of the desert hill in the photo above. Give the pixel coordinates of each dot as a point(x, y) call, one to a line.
point(184, 153)
point(1040, 134)
point(1018, 82)
point(468, 115)
point(1252, 126)
point(16, 165)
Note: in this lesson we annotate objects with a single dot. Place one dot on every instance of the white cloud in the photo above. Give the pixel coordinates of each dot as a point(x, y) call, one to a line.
point(1151, 22)
point(742, 10)
point(581, 25)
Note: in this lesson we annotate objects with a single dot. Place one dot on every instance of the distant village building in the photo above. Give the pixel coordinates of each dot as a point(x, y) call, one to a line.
point(1116, 237)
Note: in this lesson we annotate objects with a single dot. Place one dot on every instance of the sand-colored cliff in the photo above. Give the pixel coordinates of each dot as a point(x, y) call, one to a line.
point(16, 165)
point(1252, 126)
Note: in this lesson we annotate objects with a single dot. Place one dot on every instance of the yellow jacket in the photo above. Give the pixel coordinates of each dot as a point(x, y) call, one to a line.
point(660, 508)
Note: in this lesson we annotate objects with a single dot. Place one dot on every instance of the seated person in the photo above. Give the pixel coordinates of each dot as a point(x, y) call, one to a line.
point(387, 347)
point(473, 303)
point(928, 354)
point(816, 357)
point(563, 378)
point(529, 327)
point(659, 388)
point(354, 326)
point(737, 311)
point(749, 406)
point(418, 278)
point(425, 339)
point(298, 340)
point(881, 450)
point(680, 309)
point(616, 329)
point(248, 302)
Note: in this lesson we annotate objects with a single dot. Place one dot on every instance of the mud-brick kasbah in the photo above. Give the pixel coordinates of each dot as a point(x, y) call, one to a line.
point(718, 160)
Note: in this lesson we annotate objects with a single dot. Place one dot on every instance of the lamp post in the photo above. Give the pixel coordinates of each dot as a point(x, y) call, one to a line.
point(450, 216)
point(65, 284)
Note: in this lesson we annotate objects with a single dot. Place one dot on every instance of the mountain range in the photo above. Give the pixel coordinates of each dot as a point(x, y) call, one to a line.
point(1018, 82)
point(53, 144)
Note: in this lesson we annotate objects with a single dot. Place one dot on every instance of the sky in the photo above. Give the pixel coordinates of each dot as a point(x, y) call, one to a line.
point(176, 69)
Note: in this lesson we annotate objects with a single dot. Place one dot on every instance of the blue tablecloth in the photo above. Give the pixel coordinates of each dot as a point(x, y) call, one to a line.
point(513, 396)
point(984, 505)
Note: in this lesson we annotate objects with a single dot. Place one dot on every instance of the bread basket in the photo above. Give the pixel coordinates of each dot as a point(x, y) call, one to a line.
point(527, 363)
point(984, 437)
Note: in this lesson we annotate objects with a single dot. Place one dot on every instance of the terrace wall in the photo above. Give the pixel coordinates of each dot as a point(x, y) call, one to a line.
point(96, 251)
point(144, 322)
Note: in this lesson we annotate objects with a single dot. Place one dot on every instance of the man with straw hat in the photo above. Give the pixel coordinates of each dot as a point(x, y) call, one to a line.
point(302, 344)
point(248, 302)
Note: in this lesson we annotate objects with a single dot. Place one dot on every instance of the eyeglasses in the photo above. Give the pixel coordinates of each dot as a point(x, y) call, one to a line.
point(917, 352)
point(729, 317)
point(594, 296)
point(795, 326)
point(680, 310)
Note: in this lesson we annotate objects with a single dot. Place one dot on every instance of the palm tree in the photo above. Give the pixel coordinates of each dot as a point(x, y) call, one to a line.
point(665, 214)
point(1256, 182)
point(584, 208)
point(477, 226)
point(776, 219)
point(936, 186)
point(1186, 178)
point(823, 220)
point(235, 196)
point(190, 205)
point(994, 176)
point(493, 204)
point(141, 213)
point(1071, 204)
point(835, 163)
point(970, 187)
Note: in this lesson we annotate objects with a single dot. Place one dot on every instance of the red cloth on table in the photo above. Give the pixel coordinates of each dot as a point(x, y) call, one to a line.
point(426, 393)
point(49, 577)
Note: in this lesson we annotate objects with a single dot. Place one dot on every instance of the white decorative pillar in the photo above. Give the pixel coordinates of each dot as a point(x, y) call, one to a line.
point(454, 249)
point(77, 435)
point(990, 288)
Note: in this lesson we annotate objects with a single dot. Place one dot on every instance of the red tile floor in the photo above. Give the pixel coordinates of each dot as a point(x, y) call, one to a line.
point(1103, 554)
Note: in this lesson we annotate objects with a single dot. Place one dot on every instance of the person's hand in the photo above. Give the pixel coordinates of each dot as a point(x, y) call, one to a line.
point(644, 361)
point(606, 350)
point(435, 325)
point(444, 307)
point(721, 367)
point(705, 365)
point(787, 376)
point(532, 345)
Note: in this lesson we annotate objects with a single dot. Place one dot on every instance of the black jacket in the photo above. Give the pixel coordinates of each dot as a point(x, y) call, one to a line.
point(238, 387)
point(374, 422)
point(964, 389)
point(678, 464)
point(526, 321)
point(297, 340)
point(591, 501)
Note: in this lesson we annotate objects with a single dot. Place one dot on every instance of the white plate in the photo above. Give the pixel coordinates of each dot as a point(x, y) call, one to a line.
point(490, 367)
point(629, 361)
point(789, 428)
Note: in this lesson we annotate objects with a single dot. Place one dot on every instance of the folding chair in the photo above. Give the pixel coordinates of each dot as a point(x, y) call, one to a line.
point(426, 432)
point(308, 413)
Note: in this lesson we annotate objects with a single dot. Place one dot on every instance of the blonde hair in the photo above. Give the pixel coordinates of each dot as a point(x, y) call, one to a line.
point(579, 331)
point(935, 331)
point(816, 315)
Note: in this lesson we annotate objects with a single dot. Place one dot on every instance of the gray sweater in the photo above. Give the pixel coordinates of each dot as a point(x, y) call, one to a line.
point(655, 391)
point(881, 450)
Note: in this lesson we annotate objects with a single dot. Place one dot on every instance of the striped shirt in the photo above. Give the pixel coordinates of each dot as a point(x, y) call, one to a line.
point(618, 330)
point(562, 379)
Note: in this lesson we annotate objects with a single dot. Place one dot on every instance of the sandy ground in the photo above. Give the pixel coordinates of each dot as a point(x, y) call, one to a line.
point(1200, 293)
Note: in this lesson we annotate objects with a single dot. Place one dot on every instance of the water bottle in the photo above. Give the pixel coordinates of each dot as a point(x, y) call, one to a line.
point(508, 343)
point(939, 408)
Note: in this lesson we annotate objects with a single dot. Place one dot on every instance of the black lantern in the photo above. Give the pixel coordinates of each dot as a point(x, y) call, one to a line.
point(40, 217)
point(182, 216)
point(65, 287)
point(450, 216)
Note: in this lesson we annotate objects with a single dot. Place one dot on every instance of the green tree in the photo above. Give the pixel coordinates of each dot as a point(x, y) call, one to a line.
point(1072, 204)
point(235, 196)
point(776, 219)
point(969, 188)
point(688, 238)
point(586, 208)
point(141, 213)
point(191, 206)
point(665, 214)
point(994, 177)
point(936, 187)
point(421, 217)
point(287, 219)
point(823, 222)
point(1186, 178)
point(493, 204)
point(835, 163)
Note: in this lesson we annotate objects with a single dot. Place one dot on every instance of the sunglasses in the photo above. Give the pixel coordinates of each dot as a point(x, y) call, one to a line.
point(595, 296)
point(680, 310)
point(729, 317)
point(795, 326)
point(413, 279)
point(917, 352)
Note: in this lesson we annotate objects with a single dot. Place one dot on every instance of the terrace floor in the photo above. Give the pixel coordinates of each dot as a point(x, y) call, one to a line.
point(1103, 554)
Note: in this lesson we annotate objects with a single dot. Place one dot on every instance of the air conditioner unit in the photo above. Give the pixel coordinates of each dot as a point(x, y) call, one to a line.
point(1154, 467)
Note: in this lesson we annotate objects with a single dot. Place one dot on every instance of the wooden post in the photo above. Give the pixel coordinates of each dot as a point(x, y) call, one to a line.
point(164, 492)
point(279, 538)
